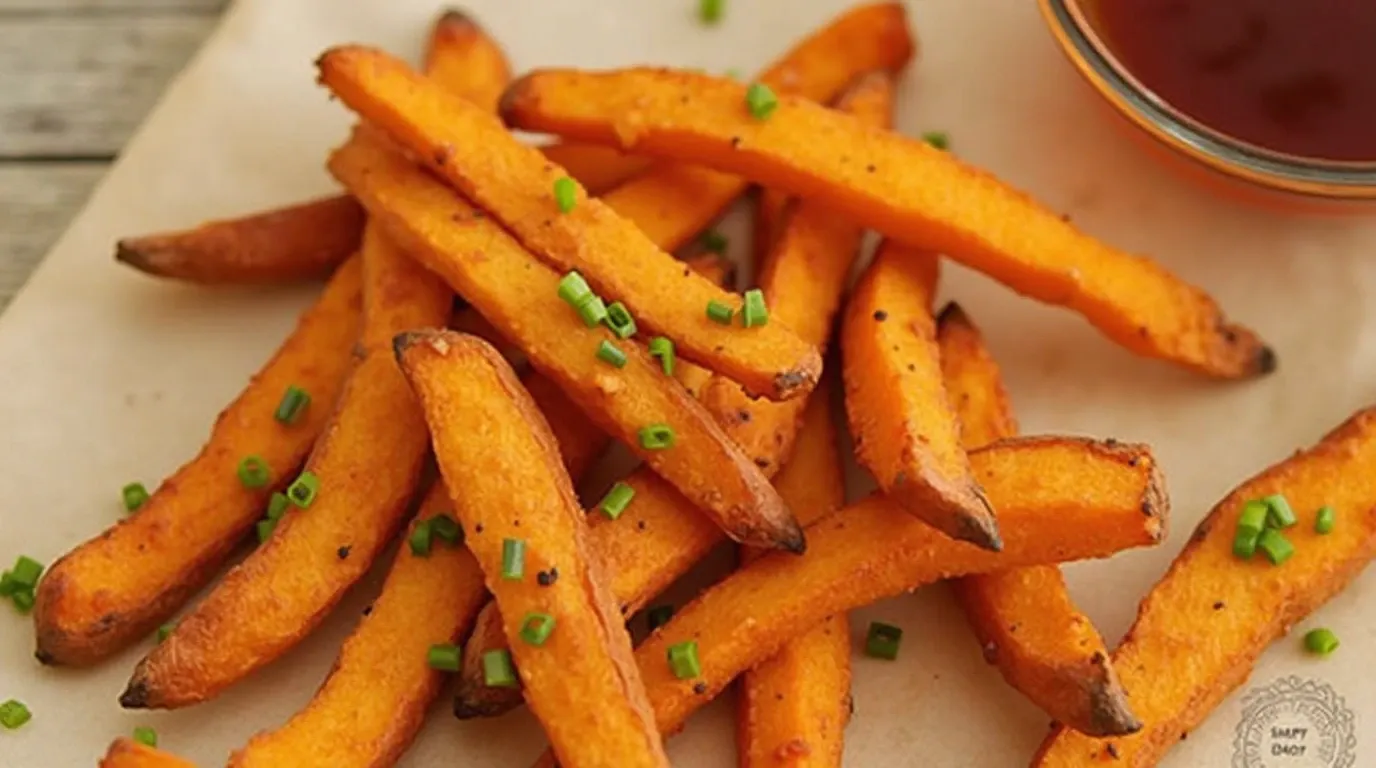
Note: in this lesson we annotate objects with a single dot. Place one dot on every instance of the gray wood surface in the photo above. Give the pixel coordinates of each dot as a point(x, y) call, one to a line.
point(76, 79)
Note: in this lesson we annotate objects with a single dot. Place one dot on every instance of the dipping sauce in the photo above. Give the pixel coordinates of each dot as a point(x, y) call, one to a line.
point(1293, 76)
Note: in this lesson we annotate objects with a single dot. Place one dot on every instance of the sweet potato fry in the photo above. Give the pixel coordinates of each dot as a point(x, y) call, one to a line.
point(1221, 612)
point(771, 212)
point(299, 242)
point(117, 587)
point(596, 167)
point(794, 706)
point(905, 432)
point(462, 58)
point(518, 294)
point(1024, 619)
point(473, 151)
point(803, 278)
point(902, 187)
point(513, 489)
point(127, 753)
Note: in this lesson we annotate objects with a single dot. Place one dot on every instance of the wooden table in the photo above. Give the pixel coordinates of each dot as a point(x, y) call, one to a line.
point(76, 79)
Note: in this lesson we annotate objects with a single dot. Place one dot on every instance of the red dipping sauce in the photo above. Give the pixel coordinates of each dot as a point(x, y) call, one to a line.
point(1292, 76)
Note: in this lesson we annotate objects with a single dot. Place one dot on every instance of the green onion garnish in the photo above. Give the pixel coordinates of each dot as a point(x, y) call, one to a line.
point(146, 736)
point(445, 657)
point(658, 616)
point(714, 241)
point(882, 640)
point(656, 437)
point(513, 559)
point(573, 289)
point(1323, 522)
point(264, 528)
point(446, 529)
point(565, 194)
point(663, 349)
point(13, 714)
point(592, 310)
point(754, 312)
point(761, 101)
point(294, 403)
point(8, 586)
point(165, 630)
point(611, 354)
point(710, 10)
point(1250, 524)
point(420, 539)
point(26, 571)
point(718, 312)
point(683, 660)
point(1275, 546)
point(619, 320)
point(277, 505)
point(23, 600)
point(497, 669)
point(1281, 515)
point(253, 472)
point(302, 493)
point(536, 628)
point(1320, 641)
point(616, 500)
point(135, 496)
point(938, 139)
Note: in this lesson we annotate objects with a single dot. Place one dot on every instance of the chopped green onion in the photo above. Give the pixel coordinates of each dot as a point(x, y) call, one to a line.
point(619, 320)
point(683, 660)
point(446, 529)
point(611, 354)
point(663, 349)
point(882, 640)
point(302, 493)
point(8, 586)
point(718, 312)
point(1250, 523)
point(135, 496)
point(497, 669)
point(1320, 641)
point(23, 600)
point(1245, 543)
point(710, 10)
point(146, 736)
point(536, 628)
point(253, 472)
point(573, 289)
point(26, 572)
point(565, 194)
point(754, 313)
point(1282, 516)
point(294, 403)
point(592, 310)
point(513, 559)
point(420, 539)
point(656, 437)
point(761, 101)
point(1323, 523)
point(658, 616)
point(938, 139)
point(616, 500)
point(13, 714)
point(165, 630)
point(444, 656)
point(714, 241)
point(265, 527)
point(277, 505)
point(1275, 546)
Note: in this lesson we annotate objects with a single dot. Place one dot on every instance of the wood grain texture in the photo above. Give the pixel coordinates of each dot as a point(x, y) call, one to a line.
point(37, 200)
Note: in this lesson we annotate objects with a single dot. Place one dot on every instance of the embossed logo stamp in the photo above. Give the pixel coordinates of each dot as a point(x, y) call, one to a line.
point(1295, 723)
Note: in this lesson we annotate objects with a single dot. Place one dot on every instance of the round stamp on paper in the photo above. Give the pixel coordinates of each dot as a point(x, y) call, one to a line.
point(1295, 723)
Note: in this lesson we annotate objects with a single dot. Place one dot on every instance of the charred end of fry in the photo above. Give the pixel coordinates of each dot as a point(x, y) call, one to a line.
point(799, 381)
point(519, 95)
point(456, 19)
point(1267, 362)
point(953, 315)
point(136, 694)
point(488, 702)
point(139, 254)
point(1109, 713)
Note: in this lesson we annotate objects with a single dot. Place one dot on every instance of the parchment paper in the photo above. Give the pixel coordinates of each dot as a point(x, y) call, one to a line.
point(109, 377)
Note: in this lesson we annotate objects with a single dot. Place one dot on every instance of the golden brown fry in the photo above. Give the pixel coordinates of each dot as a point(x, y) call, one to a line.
point(771, 213)
point(1241, 607)
point(127, 753)
point(116, 588)
point(794, 706)
point(580, 680)
point(900, 186)
point(475, 153)
point(462, 58)
point(299, 242)
point(905, 432)
point(803, 279)
point(1024, 619)
point(596, 167)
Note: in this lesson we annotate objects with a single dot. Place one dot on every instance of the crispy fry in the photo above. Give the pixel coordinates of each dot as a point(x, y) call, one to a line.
point(462, 58)
point(299, 242)
point(127, 753)
point(518, 294)
point(473, 151)
point(596, 167)
point(905, 432)
point(794, 706)
point(1241, 606)
point(513, 488)
point(902, 187)
point(771, 213)
point(803, 278)
point(116, 588)
point(1024, 619)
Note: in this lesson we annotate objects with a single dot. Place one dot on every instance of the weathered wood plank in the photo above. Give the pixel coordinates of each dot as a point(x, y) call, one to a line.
point(58, 7)
point(78, 86)
point(37, 201)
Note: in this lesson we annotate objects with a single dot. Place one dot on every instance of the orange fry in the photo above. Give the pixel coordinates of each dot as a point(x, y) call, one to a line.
point(127, 753)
